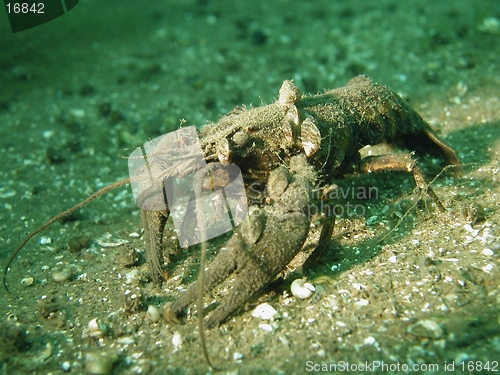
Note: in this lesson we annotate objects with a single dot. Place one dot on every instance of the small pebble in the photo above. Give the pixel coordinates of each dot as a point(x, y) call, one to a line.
point(426, 328)
point(66, 366)
point(487, 252)
point(61, 276)
point(99, 363)
point(266, 327)
point(45, 240)
point(177, 339)
point(154, 313)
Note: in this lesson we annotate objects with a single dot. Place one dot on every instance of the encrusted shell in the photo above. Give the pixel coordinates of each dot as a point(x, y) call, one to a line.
point(240, 138)
point(287, 133)
point(292, 115)
point(277, 182)
point(253, 225)
point(289, 94)
point(27, 281)
point(310, 137)
point(223, 152)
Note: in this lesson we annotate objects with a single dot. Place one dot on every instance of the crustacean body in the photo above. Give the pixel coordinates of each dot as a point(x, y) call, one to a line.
point(286, 151)
point(288, 147)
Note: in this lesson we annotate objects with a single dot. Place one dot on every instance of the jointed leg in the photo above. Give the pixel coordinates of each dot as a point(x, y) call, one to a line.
point(400, 163)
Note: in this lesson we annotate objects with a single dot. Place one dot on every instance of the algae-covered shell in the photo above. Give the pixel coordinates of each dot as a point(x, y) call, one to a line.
point(310, 137)
point(277, 182)
point(253, 225)
point(223, 151)
point(240, 138)
point(289, 94)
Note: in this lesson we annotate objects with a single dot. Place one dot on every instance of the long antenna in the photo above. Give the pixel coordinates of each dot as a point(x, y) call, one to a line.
point(104, 190)
point(201, 274)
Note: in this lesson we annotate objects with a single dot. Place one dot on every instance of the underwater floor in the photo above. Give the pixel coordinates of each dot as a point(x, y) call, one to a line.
point(80, 93)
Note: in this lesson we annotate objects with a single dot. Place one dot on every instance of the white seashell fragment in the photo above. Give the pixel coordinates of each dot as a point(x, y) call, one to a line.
point(264, 311)
point(45, 240)
point(127, 340)
point(487, 252)
point(65, 366)
point(177, 339)
point(370, 340)
point(266, 327)
point(301, 289)
point(96, 328)
point(361, 303)
point(110, 244)
point(237, 356)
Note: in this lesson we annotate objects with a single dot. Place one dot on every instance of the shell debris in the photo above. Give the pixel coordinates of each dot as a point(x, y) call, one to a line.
point(264, 311)
point(302, 289)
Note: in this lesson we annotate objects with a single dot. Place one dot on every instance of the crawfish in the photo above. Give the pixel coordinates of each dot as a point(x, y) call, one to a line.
point(291, 147)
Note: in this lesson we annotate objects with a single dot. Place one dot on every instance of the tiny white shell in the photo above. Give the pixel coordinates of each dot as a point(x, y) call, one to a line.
point(177, 339)
point(264, 311)
point(27, 281)
point(301, 289)
point(154, 313)
point(96, 328)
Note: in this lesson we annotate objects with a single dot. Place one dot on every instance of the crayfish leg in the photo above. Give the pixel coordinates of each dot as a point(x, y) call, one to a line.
point(400, 163)
point(220, 268)
point(154, 225)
